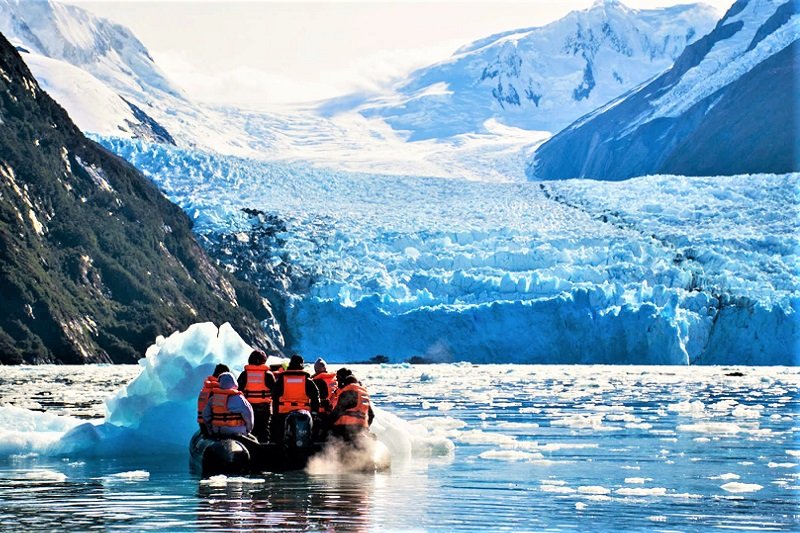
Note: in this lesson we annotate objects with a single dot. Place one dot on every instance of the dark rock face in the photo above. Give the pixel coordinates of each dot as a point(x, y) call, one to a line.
point(747, 126)
point(94, 261)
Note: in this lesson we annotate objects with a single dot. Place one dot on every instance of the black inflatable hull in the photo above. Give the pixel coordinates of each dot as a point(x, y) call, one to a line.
point(212, 456)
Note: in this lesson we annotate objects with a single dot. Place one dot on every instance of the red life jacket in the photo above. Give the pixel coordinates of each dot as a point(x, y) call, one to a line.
point(358, 415)
point(255, 390)
point(209, 384)
point(221, 416)
point(330, 384)
point(294, 397)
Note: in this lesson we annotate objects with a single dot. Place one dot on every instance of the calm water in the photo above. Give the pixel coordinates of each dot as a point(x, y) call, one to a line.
point(510, 448)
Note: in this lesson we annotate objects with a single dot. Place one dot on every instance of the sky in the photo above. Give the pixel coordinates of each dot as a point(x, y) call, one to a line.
point(265, 53)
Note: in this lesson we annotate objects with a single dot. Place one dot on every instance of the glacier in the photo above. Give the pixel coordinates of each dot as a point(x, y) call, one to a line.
point(655, 270)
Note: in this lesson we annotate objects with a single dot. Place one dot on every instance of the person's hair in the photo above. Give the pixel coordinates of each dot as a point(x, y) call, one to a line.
point(351, 379)
point(296, 362)
point(342, 374)
point(257, 357)
point(219, 369)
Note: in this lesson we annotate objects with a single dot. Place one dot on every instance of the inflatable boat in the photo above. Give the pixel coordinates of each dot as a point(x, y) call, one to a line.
point(214, 455)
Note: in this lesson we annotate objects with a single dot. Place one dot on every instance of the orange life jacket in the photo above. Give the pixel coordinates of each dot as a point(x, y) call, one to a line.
point(330, 383)
point(220, 415)
point(358, 415)
point(209, 384)
point(255, 390)
point(294, 397)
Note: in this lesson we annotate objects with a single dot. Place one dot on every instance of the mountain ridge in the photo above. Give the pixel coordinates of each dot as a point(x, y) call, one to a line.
point(96, 262)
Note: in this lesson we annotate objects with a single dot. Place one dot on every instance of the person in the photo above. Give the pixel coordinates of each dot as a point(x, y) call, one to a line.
point(209, 384)
point(257, 382)
point(352, 414)
point(326, 384)
point(293, 391)
point(228, 413)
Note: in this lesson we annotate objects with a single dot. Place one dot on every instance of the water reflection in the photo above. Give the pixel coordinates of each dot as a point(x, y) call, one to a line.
point(294, 501)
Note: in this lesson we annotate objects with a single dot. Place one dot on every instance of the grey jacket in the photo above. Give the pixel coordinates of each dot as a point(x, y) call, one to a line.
point(236, 404)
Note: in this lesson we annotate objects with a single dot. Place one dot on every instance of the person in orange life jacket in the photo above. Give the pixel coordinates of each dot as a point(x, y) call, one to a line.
point(256, 382)
point(352, 415)
point(326, 384)
point(209, 384)
point(228, 413)
point(294, 391)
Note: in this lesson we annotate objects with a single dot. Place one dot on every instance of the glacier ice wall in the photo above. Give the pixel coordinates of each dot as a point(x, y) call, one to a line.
point(661, 270)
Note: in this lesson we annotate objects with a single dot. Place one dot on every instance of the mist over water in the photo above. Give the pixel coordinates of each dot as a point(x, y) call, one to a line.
point(502, 447)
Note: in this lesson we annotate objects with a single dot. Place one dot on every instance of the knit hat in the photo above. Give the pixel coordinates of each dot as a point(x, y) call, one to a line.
point(227, 381)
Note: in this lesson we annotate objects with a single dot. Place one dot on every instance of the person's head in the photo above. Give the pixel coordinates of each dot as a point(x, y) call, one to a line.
point(257, 357)
point(320, 365)
point(350, 380)
point(296, 362)
point(227, 381)
point(342, 374)
point(219, 369)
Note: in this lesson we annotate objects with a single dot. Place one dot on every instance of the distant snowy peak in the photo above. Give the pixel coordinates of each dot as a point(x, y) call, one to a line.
point(108, 51)
point(725, 107)
point(544, 78)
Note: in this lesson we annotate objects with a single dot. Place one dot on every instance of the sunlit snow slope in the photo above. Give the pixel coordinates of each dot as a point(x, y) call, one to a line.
point(662, 269)
point(541, 78)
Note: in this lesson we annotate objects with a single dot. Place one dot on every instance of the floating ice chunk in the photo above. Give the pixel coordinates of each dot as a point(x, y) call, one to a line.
point(133, 475)
point(558, 482)
point(781, 465)
point(725, 477)
point(637, 480)
point(725, 428)
point(557, 489)
point(657, 518)
point(509, 455)
point(735, 486)
point(476, 436)
point(45, 475)
point(701, 440)
point(580, 506)
point(743, 411)
point(593, 489)
point(641, 491)
point(793, 453)
point(695, 408)
point(580, 421)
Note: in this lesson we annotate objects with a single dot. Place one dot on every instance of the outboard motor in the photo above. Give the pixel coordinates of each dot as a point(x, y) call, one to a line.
point(297, 432)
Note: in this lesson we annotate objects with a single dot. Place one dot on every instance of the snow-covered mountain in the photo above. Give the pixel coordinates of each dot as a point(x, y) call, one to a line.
point(727, 106)
point(541, 78)
point(106, 79)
